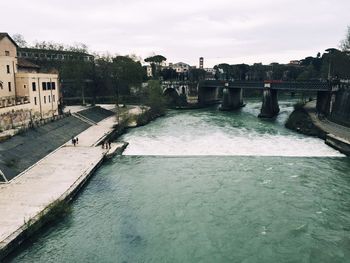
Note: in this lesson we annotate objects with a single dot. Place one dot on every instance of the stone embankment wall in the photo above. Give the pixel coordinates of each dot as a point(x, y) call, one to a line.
point(24, 150)
point(19, 116)
point(340, 106)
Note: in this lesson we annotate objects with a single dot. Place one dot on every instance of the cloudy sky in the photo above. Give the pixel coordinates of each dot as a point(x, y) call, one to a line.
point(231, 31)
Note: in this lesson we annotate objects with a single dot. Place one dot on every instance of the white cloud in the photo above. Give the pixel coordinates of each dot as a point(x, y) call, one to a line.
point(233, 31)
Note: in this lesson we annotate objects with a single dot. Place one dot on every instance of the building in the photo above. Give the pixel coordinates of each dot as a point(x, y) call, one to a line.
point(180, 67)
point(24, 91)
point(201, 62)
point(210, 73)
point(149, 72)
point(294, 62)
point(53, 55)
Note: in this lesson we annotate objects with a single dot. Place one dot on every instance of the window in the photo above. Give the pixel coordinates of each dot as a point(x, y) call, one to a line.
point(44, 99)
point(25, 86)
point(7, 53)
point(44, 85)
point(8, 69)
point(35, 100)
point(53, 85)
point(53, 98)
point(48, 85)
point(49, 98)
point(33, 86)
point(9, 84)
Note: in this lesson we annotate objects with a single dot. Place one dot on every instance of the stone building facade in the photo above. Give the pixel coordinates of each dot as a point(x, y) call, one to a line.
point(25, 93)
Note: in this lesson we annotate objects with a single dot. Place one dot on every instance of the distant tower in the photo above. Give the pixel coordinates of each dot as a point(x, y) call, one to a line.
point(201, 62)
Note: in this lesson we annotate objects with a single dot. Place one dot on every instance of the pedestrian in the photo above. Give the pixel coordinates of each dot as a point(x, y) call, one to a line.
point(109, 144)
point(77, 140)
point(103, 144)
point(74, 141)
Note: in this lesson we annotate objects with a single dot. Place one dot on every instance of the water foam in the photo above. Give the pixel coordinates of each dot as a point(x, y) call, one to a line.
point(200, 133)
point(221, 144)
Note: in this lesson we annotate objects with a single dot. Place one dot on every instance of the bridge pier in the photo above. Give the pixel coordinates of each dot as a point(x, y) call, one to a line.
point(208, 95)
point(270, 107)
point(232, 99)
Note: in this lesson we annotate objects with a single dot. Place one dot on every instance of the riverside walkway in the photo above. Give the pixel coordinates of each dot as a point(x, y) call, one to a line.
point(337, 136)
point(56, 177)
point(326, 125)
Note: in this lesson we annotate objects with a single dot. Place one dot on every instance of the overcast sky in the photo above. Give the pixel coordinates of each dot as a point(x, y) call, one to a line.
point(231, 31)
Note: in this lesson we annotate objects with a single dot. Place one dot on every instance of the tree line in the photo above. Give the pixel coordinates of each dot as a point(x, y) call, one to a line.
point(121, 77)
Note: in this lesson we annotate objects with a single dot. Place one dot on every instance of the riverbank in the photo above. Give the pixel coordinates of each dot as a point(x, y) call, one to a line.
point(198, 174)
point(29, 200)
point(305, 120)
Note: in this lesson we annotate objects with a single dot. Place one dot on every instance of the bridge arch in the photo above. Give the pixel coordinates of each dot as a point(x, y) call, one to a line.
point(171, 95)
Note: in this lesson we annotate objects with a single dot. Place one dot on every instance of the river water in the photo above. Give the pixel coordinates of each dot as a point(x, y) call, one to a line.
point(209, 186)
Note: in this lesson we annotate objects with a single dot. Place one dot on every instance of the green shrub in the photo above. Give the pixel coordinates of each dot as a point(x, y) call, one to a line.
point(299, 105)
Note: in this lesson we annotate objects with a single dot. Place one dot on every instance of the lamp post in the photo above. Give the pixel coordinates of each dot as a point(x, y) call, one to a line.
point(87, 81)
point(330, 66)
point(114, 77)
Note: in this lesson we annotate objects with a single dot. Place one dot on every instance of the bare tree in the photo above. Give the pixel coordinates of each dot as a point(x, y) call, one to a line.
point(345, 43)
point(19, 39)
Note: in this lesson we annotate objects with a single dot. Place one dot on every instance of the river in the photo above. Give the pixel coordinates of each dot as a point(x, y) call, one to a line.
point(208, 186)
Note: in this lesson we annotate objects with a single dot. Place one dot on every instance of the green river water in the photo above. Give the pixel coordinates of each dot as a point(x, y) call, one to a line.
point(208, 186)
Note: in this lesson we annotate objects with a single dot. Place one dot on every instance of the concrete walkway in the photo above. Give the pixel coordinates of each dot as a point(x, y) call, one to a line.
point(52, 178)
point(337, 136)
point(326, 125)
point(97, 132)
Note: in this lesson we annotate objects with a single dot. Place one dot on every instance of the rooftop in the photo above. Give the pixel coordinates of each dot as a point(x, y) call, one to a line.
point(23, 63)
point(3, 34)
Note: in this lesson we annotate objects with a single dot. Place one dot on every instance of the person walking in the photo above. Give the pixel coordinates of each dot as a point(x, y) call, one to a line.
point(77, 140)
point(74, 141)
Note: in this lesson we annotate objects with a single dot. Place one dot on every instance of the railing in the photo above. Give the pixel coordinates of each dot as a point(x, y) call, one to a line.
point(10, 101)
point(4, 177)
point(272, 84)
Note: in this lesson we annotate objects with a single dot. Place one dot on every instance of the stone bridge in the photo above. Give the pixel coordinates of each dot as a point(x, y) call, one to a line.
point(175, 91)
point(232, 93)
point(176, 87)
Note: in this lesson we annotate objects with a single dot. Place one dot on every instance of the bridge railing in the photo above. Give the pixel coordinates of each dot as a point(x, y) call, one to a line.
point(302, 85)
point(272, 84)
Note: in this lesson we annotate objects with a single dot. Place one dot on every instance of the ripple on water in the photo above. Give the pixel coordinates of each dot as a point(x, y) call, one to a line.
point(208, 208)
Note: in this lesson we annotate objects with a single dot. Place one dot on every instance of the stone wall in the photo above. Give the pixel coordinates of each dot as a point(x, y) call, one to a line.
point(17, 117)
point(14, 119)
point(340, 106)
